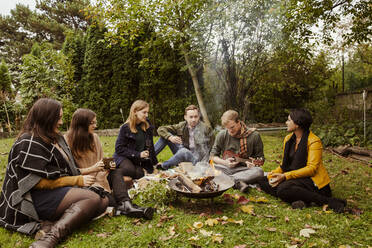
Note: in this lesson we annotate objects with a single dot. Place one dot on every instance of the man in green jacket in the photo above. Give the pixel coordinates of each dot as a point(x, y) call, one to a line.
point(189, 140)
point(238, 151)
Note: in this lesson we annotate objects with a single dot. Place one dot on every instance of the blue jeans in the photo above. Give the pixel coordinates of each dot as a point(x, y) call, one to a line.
point(182, 155)
point(161, 143)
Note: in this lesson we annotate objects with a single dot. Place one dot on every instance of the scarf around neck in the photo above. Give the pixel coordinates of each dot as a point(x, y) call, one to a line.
point(300, 157)
point(244, 133)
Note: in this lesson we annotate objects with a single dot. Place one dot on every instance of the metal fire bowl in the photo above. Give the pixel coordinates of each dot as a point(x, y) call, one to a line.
point(223, 180)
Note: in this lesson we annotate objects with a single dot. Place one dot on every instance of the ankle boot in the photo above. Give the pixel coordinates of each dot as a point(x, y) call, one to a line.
point(132, 210)
point(73, 217)
point(337, 205)
point(242, 186)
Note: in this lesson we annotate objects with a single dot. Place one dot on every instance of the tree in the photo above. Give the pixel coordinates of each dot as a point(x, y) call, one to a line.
point(5, 89)
point(46, 72)
point(302, 15)
point(47, 23)
point(184, 23)
point(247, 32)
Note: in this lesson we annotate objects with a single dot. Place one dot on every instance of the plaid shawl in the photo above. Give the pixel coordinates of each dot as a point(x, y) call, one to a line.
point(30, 159)
point(244, 133)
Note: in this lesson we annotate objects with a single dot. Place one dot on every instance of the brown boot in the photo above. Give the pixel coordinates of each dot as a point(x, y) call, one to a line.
point(73, 217)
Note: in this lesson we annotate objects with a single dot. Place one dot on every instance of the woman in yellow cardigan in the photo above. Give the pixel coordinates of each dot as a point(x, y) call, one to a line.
point(302, 177)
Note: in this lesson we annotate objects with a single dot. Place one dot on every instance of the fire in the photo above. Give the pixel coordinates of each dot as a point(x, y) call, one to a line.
point(214, 171)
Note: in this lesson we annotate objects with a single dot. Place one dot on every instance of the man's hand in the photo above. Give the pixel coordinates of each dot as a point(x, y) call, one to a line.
point(249, 164)
point(175, 139)
point(231, 162)
point(88, 180)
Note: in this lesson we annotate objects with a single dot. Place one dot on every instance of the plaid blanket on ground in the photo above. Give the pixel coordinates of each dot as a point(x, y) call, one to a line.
point(30, 159)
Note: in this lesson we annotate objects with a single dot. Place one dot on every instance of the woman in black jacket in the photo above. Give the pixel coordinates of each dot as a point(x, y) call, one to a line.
point(134, 149)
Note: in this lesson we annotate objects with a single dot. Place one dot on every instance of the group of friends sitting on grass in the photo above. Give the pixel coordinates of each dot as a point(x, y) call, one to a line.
point(55, 183)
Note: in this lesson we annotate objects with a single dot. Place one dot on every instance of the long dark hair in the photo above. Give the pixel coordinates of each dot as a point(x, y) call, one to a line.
point(78, 136)
point(42, 119)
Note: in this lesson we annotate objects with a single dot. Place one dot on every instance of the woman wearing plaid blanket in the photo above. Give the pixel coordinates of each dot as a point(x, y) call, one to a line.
point(41, 179)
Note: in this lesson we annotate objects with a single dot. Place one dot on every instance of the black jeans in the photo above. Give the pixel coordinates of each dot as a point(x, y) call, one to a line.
point(117, 184)
point(300, 189)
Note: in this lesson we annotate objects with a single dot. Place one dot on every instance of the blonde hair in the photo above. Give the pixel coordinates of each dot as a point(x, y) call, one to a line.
point(138, 105)
point(229, 115)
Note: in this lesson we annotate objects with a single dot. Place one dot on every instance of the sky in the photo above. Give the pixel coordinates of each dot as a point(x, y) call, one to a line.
point(7, 5)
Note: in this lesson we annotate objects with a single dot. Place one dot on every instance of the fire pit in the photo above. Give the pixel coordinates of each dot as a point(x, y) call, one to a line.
point(200, 181)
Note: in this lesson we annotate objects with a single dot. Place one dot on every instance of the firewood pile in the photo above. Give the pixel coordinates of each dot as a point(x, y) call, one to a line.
point(197, 179)
point(354, 152)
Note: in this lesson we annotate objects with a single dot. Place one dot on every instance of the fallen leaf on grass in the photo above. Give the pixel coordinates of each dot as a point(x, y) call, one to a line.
point(193, 238)
point(271, 229)
point(240, 246)
point(205, 233)
point(295, 241)
point(217, 238)
point(259, 199)
point(306, 232)
point(136, 222)
point(203, 215)
point(165, 238)
point(344, 246)
point(291, 246)
point(102, 235)
point(316, 226)
point(172, 230)
point(198, 224)
point(270, 216)
point(225, 218)
point(355, 211)
point(211, 222)
point(248, 209)
point(242, 200)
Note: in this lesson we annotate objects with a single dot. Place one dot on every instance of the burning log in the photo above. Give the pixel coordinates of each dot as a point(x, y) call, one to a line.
point(188, 183)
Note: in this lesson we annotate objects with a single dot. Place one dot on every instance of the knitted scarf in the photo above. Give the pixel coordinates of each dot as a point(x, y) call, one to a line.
point(244, 133)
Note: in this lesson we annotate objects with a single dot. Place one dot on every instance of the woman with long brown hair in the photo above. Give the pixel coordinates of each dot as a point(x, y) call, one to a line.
point(40, 179)
point(88, 153)
point(134, 147)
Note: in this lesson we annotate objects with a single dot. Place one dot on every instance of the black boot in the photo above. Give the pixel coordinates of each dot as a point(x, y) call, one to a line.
point(337, 205)
point(132, 210)
point(242, 186)
point(73, 217)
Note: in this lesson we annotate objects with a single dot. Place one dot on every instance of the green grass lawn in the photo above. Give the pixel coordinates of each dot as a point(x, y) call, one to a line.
point(267, 224)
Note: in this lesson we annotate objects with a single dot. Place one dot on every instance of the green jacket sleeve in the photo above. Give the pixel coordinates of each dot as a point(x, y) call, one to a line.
point(167, 131)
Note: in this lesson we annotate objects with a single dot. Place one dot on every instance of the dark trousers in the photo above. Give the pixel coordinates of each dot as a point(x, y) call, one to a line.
point(300, 189)
point(117, 184)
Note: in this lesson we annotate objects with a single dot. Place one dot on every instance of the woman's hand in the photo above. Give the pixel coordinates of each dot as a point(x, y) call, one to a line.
point(276, 178)
point(97, 167)
point(88, 180)
point(144, 154)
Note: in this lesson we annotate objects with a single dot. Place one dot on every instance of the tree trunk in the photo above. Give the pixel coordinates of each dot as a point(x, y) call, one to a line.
point(198, 93)
point(7, 116)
